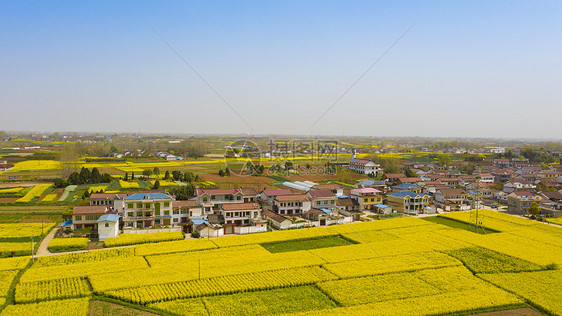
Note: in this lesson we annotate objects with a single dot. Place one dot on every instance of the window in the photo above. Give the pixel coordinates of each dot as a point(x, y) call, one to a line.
point(204, 199)
point(106, 224)
point(139, 205)
point(130, 214)
point(166, 212)
point(77, 227)
point(176, 220)
point(176, 212)
point(239, 198)
point(166, 204)
point(147, 205)
point(212, 197)
point(130, 205)
point(157, 212)
point(92, 217)
point(78, 217)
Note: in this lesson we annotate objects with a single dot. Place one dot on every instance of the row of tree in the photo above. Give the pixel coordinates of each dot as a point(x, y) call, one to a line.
point(85, 176)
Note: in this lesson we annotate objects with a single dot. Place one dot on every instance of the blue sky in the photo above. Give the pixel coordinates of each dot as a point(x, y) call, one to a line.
point(466, 68)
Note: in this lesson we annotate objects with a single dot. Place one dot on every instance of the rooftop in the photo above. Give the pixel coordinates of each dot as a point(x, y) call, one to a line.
point(148, 196)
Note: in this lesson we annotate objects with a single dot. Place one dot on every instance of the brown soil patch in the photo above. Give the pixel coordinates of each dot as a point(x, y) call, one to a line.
point(18, 184)
point(8, 200)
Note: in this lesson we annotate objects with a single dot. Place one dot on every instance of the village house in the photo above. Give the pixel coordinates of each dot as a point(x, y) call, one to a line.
point(322, 199)
point(375, 184)
point(408, 202)
point(112, 200)
point(366, 197)
point(213, 199)
point(277, 221)
point(108, 226)
point(408, 180)
point(144, 210)
point(518, 202)
point(391, 178)
point(502, 175)
point(551, 205)
point(268, 195)
point(486, 177)
point(452, 199)
point(364, 166)
point(521, 185)
point(295, 204)
point(349, 207)
point(501, 163)
point(87, 216)
point(240, 214)
point(335, 188)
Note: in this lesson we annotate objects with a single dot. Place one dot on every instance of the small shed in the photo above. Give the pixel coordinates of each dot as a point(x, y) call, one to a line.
point(108, 226)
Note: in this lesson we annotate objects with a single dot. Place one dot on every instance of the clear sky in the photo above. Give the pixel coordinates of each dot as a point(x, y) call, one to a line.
point(466, 68)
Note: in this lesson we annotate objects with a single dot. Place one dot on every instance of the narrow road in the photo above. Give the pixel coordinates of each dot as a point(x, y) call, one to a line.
point(42, 250)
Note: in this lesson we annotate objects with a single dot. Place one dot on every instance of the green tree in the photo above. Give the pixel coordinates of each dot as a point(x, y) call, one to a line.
point(156, 171)
point(95, 177)
point(534, 209)
point(408, 172)
point(126, 176)
point(167, 175)
point(544, 166)
point(133, 175)
point(227, 172)
point(156, 185)
point(221, 173)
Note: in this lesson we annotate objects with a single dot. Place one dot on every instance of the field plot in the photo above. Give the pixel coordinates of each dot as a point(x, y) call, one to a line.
point(132, 239)
point(293, 300)
point(78, 307)
point(403, 266)
point(541, 288)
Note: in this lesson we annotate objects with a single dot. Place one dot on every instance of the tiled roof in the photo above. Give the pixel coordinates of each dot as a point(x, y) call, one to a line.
point(321, 194)
point(277, 192)
point(293, 197)
point(403, 194)
point(89, 210)
point(107, 196)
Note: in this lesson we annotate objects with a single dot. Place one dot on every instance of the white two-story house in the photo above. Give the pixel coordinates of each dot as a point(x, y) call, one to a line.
point(143, 210)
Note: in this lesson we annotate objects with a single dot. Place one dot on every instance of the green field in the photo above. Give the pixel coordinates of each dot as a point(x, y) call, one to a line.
point(287, 246)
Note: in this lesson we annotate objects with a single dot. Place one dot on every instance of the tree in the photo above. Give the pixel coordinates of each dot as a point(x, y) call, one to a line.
point(95, 176)
point(221, 173)
point(85, 176)
point(534, 209)
point(183, 192)
point(544, 166)
point(133, 175)
point(60, 183)
point(156, 185)
point(409, 173)
point(167, 175)
point(126, 176)
point(227, 172)
point(156, 171)
point(444, 159)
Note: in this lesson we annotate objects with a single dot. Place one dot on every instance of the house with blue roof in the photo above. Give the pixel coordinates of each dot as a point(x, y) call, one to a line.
point(108, 226)
point(409, 202)
point(144, 210)
point(407, 187)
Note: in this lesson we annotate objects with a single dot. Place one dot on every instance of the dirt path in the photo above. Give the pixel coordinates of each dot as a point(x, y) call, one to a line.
point(43, 251)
